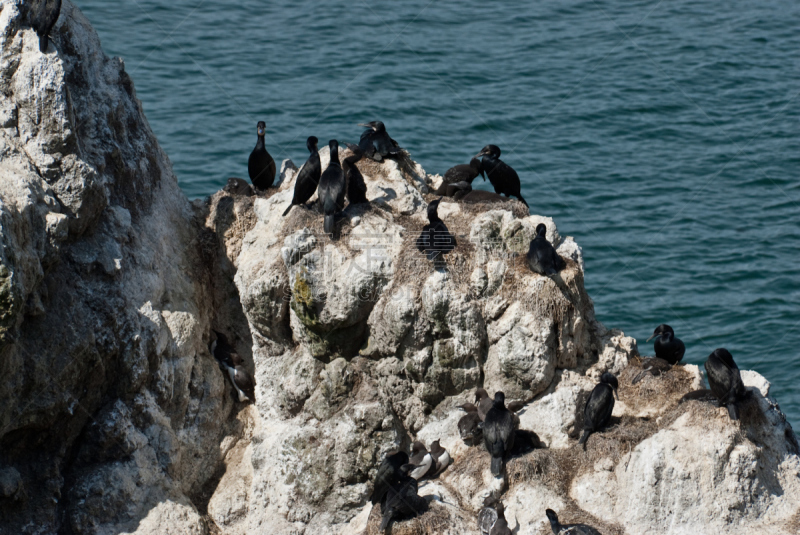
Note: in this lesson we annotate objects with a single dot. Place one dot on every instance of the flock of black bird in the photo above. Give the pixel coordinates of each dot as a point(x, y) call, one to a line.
point(395, 487)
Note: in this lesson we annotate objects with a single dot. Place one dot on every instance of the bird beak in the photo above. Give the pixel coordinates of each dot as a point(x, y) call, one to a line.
point(616, 394)
point(654, 335)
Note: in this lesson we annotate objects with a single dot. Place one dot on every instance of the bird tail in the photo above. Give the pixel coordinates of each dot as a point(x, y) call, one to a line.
point(287, 210)
point(733, 411)
point(328, 224)
point(497, 466)
point(585, 437)
point(639, 377)
point(43, 43)
point(385, 522)
point(521, 200)
point(550, 271)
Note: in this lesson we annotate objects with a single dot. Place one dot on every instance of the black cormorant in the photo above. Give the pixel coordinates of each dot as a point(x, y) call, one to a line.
point(542, 256)
point(238, 186)
point(332, 187)
point(504, 179)
point(421, 460)
point(725, 381)
point(375, 143)
point(468, 425)
point(435, 240)
point(388, 475)
point(461, 173)
point(565, 529)
point(308, 176)
point(356, 187)
point(498, 432)
point(402, 500)
point(599, 406)
point(261, 166)
point(43, 19)
point(667, 347)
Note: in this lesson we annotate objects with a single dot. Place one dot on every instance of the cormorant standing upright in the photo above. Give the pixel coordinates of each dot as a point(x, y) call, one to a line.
point(402, 500)
point(43, 20)
point(504, 179)
point(356, 187)
point(461, 173)
point(542, 256)
point(375, 142)
point(308, 177)
point(725, 381)
point(388, 475)
point(332, 188)
point(499, 432)
point(666, 346)
point(576, 529)
point(260, 165)
point(599, 406)
point(435, 240)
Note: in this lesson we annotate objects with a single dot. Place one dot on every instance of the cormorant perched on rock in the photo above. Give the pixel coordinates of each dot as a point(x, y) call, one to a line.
point(599, 406)
point(375, 143)
point(388, 475)
point(542, 256)
point(504, 179)
point(461, 173)
point(666, 346)
point(238, 186)
point(261, 166)
point(469, 425)
point(402, 500)
point(43, 18)
point(441, 459)
point(356, 187)
point(725, 381)
point(564, 529)
point(308, 177)
point(435, 240)
point(421, 461)
point(242, 382)
point(498, 432)
point(332, 186)
point(484, 402)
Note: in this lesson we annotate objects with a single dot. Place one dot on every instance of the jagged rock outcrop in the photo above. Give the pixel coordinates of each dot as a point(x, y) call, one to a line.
point(116, 418)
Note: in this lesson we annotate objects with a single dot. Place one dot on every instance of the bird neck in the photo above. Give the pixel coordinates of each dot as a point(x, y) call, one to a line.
point(260, 142)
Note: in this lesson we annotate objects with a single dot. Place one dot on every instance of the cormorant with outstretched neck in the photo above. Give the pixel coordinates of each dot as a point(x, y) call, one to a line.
point(43, 17)
point(261, 166)
point(308, 177)
point(375, 142)
point(435, 240)
point(504, 179)
point(542, 256)
point(599, 406)
point(499, 432)
point(332, 188)
point(666, 346)
point(461, 173)
point(388, 475)
point(356, 187)
point(571, 529)
point(725, 381)
point(402, 500)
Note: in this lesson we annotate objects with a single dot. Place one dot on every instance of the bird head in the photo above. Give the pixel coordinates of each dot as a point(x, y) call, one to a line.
point(376, 126)
point(311, 144)
point(725, 356)
point(541, 230)
point(261, 128)
point(433, 209)
point(663, 330)
point(417, 447)
point(609, 379)
point(499, 399)
point(493, 151)
point(481, 394)
point(552, 516)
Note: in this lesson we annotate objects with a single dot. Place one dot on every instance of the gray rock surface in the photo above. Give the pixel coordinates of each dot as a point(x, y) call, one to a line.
point(115, 417)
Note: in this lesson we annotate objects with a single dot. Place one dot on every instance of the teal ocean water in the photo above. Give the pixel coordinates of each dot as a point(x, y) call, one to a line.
point(663, 135)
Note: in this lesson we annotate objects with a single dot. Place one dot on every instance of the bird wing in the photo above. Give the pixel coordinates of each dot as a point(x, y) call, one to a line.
point(599, 407)
point(424, 241)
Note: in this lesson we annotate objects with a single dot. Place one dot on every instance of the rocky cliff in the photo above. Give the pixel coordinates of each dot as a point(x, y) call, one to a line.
point(115, 417)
